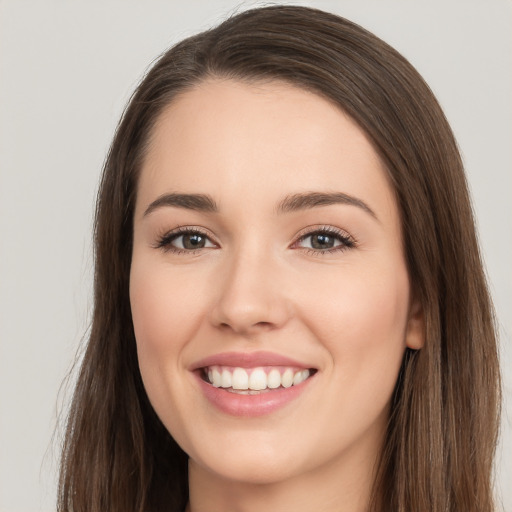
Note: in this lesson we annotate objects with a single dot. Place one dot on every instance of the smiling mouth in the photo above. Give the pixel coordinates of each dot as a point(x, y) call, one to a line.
point(254, 381)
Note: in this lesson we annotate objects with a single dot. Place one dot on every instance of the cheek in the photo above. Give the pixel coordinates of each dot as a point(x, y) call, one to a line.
point(361, 319)
point(165, 313)
point(160, 303)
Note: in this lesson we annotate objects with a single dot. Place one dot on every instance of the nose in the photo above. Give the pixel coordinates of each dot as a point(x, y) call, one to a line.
point(252, 295)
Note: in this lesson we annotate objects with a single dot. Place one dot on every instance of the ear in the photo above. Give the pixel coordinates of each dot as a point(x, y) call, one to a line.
point(415, 332)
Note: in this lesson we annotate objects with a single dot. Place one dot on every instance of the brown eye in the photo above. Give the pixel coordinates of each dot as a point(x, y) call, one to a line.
point(192, 241)
point(325, 240)
point(185, 240)
point(322, 241)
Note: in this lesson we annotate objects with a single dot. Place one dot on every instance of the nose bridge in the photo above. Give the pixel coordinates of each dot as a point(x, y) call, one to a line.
point(250, 297)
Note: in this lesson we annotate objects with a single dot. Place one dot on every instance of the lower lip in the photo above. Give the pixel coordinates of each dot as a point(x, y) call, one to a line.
point(251, 405)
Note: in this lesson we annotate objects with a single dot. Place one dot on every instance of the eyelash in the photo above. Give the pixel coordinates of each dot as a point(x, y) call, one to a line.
point(347, 241)
point(164, 242)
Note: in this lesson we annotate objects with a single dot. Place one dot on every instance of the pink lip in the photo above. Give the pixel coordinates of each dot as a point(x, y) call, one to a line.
point(247, 360)
point(249, 405)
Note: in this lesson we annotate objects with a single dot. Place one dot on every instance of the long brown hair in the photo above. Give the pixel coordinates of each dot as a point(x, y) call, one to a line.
point(441, 437)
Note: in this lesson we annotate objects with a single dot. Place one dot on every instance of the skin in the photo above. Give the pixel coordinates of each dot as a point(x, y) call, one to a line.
point(258, 285)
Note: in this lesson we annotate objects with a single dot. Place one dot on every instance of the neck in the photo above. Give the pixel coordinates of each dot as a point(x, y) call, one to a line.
point(336, 487)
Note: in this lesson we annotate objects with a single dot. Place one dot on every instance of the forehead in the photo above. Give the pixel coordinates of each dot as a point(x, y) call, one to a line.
point(224, 137)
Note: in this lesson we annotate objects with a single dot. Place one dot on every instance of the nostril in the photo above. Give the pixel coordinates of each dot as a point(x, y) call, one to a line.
point(265, 325)
point(247, 307)
point(246, 329)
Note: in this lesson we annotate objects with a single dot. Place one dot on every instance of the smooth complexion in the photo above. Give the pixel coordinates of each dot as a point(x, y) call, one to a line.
point(323, 282)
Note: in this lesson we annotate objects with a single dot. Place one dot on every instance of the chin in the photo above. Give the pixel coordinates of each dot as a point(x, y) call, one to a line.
point(250, 462)
point(253, 471)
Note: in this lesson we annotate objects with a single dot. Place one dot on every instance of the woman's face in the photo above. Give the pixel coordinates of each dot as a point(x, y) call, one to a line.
point(267, 254)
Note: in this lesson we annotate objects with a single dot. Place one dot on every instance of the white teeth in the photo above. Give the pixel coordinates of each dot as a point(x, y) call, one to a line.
point(216, 378)
point(274, 379)
point(240, 379)
point(226, 380)
point(287, 378)
point(300, 377)
point(258, 379)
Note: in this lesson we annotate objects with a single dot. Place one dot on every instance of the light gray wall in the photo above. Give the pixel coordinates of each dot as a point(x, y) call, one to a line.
point(67, 69)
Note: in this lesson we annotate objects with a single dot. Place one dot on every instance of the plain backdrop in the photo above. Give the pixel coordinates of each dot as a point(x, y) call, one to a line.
point(66, 70)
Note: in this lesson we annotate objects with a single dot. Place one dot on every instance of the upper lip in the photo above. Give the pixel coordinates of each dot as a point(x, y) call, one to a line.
point(247, 360)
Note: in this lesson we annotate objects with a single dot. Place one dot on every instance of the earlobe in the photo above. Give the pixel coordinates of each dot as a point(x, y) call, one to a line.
point(415, 333)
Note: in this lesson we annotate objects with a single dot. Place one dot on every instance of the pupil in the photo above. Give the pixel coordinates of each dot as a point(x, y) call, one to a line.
point(321, 241)
point(193, 241)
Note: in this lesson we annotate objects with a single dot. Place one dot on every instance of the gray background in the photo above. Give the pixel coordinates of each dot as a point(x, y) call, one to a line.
point(66, 70)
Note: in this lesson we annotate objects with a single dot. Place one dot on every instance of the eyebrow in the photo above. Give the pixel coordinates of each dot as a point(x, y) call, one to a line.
point(198, 202)
point(307, 200)
point(291, 203)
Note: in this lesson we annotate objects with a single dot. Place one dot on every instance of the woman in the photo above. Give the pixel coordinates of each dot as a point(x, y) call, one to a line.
point(290, 307)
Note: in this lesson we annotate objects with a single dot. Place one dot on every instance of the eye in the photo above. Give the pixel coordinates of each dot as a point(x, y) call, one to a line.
point(185, 240)
point(325, 240)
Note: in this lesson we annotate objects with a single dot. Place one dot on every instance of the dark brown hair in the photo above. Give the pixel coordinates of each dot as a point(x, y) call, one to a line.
point(442, 431)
